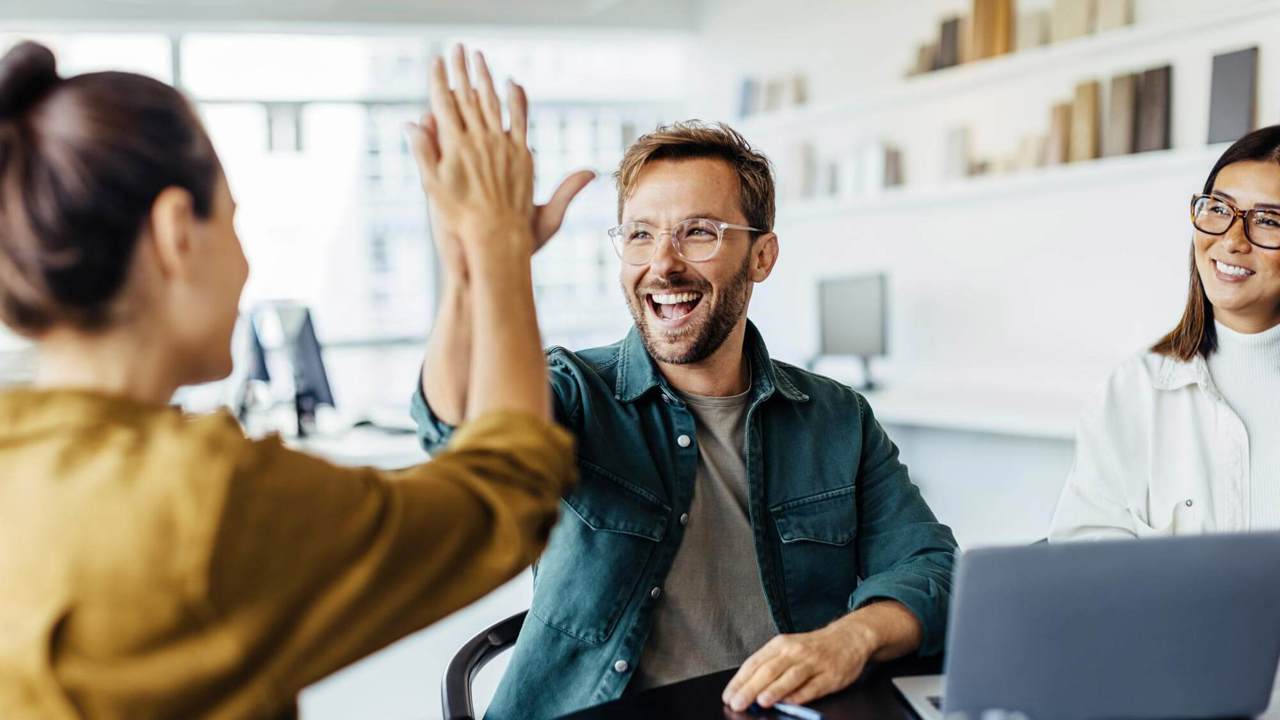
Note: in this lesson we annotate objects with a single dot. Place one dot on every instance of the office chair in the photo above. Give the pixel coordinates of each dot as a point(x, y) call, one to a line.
point(455, 691)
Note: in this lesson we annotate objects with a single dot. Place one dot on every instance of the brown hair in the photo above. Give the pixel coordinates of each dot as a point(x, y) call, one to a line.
point(82, 160)
point(1195, 333)
point(696, 139)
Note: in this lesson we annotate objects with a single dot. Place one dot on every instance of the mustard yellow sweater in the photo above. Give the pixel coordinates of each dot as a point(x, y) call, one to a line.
point(159, 565)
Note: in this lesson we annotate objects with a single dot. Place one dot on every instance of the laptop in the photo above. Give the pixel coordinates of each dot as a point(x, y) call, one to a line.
point(1184, 627)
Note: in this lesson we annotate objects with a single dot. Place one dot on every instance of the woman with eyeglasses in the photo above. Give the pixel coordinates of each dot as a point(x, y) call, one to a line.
point(1186, 437)
point(160, 565)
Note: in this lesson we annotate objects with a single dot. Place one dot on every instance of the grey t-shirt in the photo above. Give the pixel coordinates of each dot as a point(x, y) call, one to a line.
point(712, 614)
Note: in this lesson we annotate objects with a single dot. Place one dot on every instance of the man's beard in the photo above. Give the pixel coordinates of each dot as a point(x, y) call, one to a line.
point(708, 336)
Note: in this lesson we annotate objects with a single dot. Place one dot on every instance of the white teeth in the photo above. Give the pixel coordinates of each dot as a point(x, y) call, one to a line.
point(1231, 269)
point(673, 298)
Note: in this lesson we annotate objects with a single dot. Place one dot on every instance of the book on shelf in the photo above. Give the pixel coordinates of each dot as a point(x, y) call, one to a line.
point(1233, 100)
point(774, 93)
point(993, 25)
point(1154, 96)
point(1058, 150)
point(1033, 30)
point(894, 175)
point(748, 98)
point(1085, 122)
point(799, 89)
point(966, 40)
point(959, 154)
point(949, 43)
point(1122, 116)
point(1070, 19)
point(1112, 14)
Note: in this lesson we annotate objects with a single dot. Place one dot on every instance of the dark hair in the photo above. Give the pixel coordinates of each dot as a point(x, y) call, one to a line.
point(82, 160)
point(1195, 333)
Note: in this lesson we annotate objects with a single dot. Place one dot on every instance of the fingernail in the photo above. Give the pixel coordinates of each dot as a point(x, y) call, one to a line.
point(738, 703)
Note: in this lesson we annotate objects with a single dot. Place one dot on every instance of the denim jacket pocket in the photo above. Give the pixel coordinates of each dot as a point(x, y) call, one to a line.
point(597, 554)
point(819, 556)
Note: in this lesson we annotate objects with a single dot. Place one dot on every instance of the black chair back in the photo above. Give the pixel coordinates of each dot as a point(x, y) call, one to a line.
point(455, 691)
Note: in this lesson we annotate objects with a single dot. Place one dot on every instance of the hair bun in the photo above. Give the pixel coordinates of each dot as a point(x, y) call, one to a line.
point(27, 73)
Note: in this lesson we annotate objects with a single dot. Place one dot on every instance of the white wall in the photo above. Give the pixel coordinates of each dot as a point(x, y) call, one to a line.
point(1024, 290)
point(1062, 274)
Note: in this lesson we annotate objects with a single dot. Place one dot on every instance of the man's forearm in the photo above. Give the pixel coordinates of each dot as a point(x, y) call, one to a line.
point(447, 367)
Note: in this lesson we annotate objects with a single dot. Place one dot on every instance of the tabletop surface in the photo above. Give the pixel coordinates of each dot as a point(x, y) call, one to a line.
point(872, 696)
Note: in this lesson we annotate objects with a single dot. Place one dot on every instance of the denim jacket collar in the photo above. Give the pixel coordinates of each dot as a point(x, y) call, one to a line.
point(638, 373)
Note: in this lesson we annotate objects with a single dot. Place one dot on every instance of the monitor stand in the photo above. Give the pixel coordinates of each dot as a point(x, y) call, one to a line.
point(868, 383)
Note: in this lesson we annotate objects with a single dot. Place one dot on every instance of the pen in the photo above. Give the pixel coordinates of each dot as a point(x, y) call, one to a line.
point(795, 711)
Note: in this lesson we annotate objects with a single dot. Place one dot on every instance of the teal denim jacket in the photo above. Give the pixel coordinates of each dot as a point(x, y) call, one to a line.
point(837, 521)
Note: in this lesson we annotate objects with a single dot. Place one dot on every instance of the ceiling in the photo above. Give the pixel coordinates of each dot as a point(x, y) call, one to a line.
point(622, 14)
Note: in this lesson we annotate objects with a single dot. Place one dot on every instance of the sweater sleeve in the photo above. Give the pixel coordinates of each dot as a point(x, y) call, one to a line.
point(315, 566)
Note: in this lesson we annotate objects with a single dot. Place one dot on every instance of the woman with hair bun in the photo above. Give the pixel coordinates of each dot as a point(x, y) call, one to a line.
point(1185, 438)
point(160, 565)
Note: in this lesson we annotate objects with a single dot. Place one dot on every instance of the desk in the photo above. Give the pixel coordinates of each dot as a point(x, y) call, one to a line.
point(871, 698)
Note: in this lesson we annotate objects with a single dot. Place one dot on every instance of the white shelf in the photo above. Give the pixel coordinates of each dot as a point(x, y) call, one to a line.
point(933, 86)
point(1001, 188)
point(980, 409)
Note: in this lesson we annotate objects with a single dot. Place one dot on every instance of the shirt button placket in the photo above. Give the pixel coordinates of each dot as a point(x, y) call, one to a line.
point(621, 666)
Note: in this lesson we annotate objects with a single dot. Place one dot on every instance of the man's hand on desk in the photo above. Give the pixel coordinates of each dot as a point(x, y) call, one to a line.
point(801, 667)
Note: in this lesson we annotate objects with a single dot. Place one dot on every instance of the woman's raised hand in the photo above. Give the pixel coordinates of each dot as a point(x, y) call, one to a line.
point(477, 172)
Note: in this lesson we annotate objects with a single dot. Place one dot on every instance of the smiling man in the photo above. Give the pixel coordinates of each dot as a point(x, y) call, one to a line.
point(733, 510)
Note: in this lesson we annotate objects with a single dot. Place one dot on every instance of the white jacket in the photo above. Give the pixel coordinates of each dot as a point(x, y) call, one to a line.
point(1159, 452)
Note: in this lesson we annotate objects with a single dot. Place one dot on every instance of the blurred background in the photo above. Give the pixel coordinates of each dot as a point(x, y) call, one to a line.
point(982, 207)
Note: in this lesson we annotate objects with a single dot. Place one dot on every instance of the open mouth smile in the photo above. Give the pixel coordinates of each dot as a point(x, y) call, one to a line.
point(673, 307)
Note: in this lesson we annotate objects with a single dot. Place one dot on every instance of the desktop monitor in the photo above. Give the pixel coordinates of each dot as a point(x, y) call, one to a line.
point(285, 329)
point(852, 316)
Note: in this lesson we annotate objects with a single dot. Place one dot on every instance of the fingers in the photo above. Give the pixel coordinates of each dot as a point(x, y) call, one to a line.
point(426, 150)
point(551, 215)
point(490, 106)
point(791, 680)
point(464, 94)
point(443, 104)
point(518, 106)
point(765, 675)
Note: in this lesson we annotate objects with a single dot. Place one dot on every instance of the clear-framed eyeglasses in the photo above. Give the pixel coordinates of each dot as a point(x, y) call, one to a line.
point(695, 239)
point(1215, 216)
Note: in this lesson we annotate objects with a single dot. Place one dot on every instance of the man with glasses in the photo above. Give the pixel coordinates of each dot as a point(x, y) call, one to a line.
point(732, 510)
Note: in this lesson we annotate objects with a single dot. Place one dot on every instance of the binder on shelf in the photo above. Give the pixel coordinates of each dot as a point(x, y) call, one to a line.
point(1122, 116)
point(1058, 150)
point(1233, 101)
point(966, 40)
point(774, 92)
point(799, 87)
point(1153, 109)
point(1085, 122)
point(949, 43)
point(749, 98)
point(1071, 19)
point(959, 159)
point(993, 22)
point(1113, 14)
point(1033, 30)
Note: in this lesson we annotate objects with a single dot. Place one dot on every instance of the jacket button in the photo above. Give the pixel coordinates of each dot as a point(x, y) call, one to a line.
point(655, 593)
point(621, 666)
point(684, 441)
point(684, 518)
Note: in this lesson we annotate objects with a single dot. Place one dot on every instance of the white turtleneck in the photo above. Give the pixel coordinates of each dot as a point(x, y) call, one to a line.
point(1246, 370)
